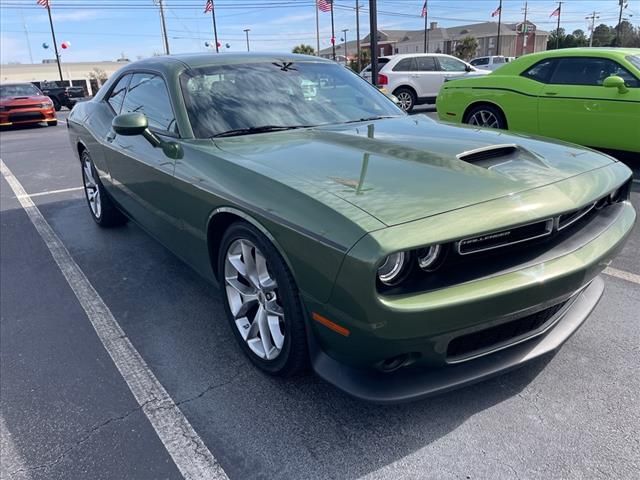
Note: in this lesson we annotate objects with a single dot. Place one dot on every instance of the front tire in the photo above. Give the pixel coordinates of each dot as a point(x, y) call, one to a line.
point(486, 116)
point(56, 104)
point(261, 301)
point(103, 211)
point(406, 98)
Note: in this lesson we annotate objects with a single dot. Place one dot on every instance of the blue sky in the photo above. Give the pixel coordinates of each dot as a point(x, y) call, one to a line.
point(105, 29)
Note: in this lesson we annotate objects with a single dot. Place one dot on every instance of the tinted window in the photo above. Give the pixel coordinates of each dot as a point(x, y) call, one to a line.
point(498, 60)
point(541, 71)
point(117, 94)
point(635, 60)
point(480, 61)
point(589, 71)
point(405, 65)
point(148, 94)
point(229, 97)
point(426, 64)
point(449, 64)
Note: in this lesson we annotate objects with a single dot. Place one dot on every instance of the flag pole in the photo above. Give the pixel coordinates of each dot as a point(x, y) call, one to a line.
point(426, 31)
point(333, 35)
point(558, 27)
point(215, 30)
point(55, 43)
point(499, 26)
point(359, 63)
point(317, 31)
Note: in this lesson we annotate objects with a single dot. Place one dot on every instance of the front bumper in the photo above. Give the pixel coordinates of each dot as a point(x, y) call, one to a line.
point(23, 116)
point(414, 383)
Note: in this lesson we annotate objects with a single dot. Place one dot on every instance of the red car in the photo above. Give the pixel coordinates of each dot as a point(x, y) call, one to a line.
point(24, 103)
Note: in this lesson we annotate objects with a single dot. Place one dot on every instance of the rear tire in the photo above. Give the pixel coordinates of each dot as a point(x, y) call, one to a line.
point(262, 302)
point(486, 116)
point(102, 209)
point(56, 104)
point(406, 98)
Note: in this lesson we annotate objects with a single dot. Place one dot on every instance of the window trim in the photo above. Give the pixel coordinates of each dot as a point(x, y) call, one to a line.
point(165, 133)
point(107, 95)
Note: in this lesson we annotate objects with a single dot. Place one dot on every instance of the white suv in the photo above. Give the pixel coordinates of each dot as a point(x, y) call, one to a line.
point(416, 78)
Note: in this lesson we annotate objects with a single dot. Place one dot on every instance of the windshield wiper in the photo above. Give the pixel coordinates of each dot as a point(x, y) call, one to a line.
point(368, 119)
point(260, 129)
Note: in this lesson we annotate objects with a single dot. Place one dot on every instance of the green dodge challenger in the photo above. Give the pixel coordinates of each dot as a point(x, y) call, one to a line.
point(396, 256)
point(589, 96)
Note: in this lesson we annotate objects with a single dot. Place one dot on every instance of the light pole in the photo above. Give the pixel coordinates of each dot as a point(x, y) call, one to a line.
point(344, 36)
point(246, 31)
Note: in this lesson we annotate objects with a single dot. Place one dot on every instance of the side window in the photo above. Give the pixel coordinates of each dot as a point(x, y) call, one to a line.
point(405, 65)
point(541, 71)
point(480, 61)
point(148, 94)
point(426, 64)
point(498, 60)
point(590, 71)
point(117, 94)
point(448, 64)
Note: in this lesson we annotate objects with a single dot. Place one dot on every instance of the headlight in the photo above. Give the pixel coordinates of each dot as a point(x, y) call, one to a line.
point(393, 268)
point(428, 258)
point(46, 105)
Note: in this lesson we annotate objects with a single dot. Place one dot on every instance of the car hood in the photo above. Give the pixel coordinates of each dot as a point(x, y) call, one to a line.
point(410, 167)
point(24, 100)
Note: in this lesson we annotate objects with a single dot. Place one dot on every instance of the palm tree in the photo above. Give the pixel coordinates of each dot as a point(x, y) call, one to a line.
point(304, 49)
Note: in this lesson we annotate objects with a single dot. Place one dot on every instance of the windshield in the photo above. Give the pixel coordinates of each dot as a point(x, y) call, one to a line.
point(224, 98)
point(635, 60)
point(22, 90)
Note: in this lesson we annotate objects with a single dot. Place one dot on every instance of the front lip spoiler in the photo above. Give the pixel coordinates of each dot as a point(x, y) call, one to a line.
point(413, 384)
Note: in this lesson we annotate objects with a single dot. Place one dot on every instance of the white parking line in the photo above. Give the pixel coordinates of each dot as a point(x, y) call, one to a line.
point(628, 276)
point(188, 451)
point(51, 192)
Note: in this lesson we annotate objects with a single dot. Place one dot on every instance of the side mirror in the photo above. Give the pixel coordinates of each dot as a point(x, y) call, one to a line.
point(129, 124)
point(615, 82)
point(469, 68)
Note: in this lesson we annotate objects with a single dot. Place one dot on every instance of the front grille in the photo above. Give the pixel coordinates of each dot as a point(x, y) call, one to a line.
point(493, 337)
point(20, 107)
point(25, 117)
point(503, 238)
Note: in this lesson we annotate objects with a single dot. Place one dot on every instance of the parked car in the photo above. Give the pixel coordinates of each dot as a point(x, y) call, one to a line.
point(398, 256)
point(62, 96)
point(416, 78)
point(490, 63)
point(589, 96)
point(24, 103)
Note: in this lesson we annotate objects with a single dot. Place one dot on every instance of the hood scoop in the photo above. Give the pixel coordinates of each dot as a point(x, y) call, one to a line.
point(488, 153)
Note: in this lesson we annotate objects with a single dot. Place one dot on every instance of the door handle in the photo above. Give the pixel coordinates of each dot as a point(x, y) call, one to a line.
point(550, 93)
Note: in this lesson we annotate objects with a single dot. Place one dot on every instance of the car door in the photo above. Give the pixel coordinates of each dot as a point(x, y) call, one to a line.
point(427, 76)
point(142, 176)
point(450, 67)
point(576, 107)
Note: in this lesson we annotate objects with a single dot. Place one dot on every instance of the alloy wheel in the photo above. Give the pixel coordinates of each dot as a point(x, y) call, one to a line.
point(252, 296)
point(91, 189)
point(405, 100)
point(484, 118)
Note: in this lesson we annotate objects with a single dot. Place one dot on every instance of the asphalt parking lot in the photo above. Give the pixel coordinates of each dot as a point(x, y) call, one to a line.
point(67, 413)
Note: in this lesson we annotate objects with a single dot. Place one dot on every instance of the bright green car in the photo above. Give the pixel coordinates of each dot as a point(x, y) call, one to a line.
point(589, 96)
point(398, 256)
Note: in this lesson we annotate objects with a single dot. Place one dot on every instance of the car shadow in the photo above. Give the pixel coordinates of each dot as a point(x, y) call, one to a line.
point(255, 425)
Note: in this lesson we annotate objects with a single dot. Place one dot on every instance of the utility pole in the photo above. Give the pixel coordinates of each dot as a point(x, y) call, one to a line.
point(623, 4)
point(317, 30)
point(164, 28)
point(525, 30)
point(246, 32)
point(425, 10)
point(500, 25)
point(344, 36)
point(358, 61)
point(373, 40)
point(333, 36)
point(593, 17)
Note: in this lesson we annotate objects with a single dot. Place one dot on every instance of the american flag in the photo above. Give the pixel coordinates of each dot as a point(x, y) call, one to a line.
point(496, 12)
point(208, 7)
point(43, 3)
point(555, 13)
point(325, 5)
point(424, 9)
